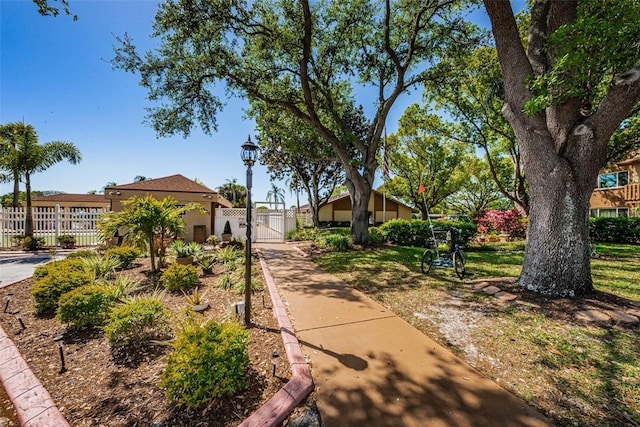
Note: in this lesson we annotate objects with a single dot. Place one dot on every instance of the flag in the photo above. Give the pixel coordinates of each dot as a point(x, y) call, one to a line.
point(385, 159)
point(421, 189)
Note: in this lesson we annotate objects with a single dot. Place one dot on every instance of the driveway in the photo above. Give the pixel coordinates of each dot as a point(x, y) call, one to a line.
point(14, 268)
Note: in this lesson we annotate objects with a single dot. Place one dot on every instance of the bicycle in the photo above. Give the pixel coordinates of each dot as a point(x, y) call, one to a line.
point(453, 257)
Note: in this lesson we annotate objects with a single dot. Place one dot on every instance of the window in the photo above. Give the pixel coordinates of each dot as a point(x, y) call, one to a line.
point(610, 212)
point(613, 179)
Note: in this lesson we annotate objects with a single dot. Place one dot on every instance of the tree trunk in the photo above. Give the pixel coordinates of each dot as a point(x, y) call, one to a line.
point(359, 193)
point(557, 259)
point(28, 219)
point(16, 191)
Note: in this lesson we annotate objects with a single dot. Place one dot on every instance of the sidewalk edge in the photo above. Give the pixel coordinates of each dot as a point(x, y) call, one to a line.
point(278, 408)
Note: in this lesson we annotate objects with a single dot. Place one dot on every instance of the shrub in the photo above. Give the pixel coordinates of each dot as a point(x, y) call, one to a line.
point(227, 228)
point(213, 240)
point(300, 234)
point(137, 319)
point(87, 305)
point(67, 241)
point(179, 277)
point(504, 221)
point(126, 255)
point(85, 253)
point(377, 235)
point(181, 249)
point(228, 253)
point(336, 242)
point(32, 243)
point(208, 361)
point(615, 230)
point(61, 278)
point(417, 232)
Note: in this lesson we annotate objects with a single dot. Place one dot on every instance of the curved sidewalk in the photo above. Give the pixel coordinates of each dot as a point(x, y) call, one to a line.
point(372, 368)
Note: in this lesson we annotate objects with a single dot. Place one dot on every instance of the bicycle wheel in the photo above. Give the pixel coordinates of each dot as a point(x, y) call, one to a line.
point(427, 261)
point(458, 264)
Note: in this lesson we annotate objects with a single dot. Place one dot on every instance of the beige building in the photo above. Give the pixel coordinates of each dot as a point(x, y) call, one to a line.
point(199, 225)
point(338, 209)
point(70, 202)
point(617, 192)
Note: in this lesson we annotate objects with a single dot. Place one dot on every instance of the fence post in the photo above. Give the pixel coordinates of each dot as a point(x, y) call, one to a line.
point(57, 222)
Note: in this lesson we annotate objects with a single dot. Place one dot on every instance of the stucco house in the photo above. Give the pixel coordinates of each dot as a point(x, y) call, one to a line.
point(199, 225)
point(338, 209)
point(617, 192)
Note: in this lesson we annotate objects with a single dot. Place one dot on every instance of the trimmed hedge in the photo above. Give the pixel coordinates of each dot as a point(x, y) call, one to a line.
point(61, 277)
point(615, 230)
point(417, 232)
point(87, 305)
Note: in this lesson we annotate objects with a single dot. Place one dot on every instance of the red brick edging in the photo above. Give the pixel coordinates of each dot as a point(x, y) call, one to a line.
point(33, 404)
point(278, 408)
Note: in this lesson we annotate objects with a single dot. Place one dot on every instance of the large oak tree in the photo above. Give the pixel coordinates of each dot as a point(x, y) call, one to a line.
point(300, 56)
point(566, 93)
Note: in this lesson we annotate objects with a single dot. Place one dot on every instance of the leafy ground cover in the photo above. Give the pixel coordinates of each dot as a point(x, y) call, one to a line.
point(119, 387)
point(578, 374)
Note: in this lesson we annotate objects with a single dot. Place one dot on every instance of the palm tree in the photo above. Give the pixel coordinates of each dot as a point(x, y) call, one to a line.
point(276, 194)
point(22, 156)
point(148, 222)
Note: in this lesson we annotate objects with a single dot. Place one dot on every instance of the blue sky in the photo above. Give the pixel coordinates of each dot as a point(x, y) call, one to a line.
point(55, 75)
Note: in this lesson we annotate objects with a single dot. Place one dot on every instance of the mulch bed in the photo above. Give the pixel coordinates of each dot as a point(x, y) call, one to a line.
point(119, 387)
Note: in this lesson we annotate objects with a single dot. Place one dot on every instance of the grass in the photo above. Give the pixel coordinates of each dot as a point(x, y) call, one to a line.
point(580, 375)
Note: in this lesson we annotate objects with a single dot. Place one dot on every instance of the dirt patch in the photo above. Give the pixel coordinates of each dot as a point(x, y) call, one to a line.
point(108, 387)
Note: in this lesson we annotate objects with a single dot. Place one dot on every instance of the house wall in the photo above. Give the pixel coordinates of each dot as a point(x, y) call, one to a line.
point(70, 205)
point(192, 218)
point(340, 210)
point(607, 198)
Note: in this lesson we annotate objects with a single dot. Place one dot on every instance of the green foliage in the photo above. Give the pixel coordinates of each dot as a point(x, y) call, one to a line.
point(137, 319)
point(179, 277)
point(335, 242)
point(101, 267)
point(206, 262)
point(300, 234)
point(209, 361)
point(66, 240)
point(125, 254)
point(32, 243)
point(182, 249)
point(615, 230)
point(239, 284)
point(121, 287)
point(228, 253)
point(418, 232)
point(85, 306)
point(86, 253)
point(61, 277)
point(149, 222)
point(213, 240)
point(377, 235)
point(227, 228)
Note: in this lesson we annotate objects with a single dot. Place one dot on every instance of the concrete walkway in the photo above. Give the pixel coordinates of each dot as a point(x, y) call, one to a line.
point(372, 368)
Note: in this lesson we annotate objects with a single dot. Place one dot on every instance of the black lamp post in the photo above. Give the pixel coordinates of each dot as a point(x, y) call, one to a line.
point(249, 154)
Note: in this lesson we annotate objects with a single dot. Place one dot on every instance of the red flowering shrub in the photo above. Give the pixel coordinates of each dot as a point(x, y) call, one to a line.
point(509, 221)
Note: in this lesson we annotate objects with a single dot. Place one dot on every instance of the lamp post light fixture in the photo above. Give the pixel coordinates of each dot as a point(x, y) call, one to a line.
point(249, 154)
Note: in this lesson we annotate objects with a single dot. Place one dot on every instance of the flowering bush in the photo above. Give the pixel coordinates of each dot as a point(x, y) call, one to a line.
point(507, 221)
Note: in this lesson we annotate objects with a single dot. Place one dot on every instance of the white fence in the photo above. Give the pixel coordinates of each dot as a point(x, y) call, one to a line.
point(50, 223)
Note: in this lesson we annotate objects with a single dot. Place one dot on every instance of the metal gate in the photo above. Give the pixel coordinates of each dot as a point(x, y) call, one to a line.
point(268, 225)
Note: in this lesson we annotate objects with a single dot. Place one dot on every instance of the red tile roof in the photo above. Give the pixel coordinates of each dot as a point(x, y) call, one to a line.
point(176, 183)
point(64, 197)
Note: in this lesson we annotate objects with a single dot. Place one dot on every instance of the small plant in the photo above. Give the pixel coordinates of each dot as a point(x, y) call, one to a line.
point(101, 267)
point(126, 255)
point(195, 297)
point(67, 241)
point(122, 287)
point(228, 253)
point(213, 240)
point(179, 277)
point(239, 286)
point(227, 228)
point(138, 319)
point(87, 305)
point(207, 263)
point(226, 281)
point(209, 361)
